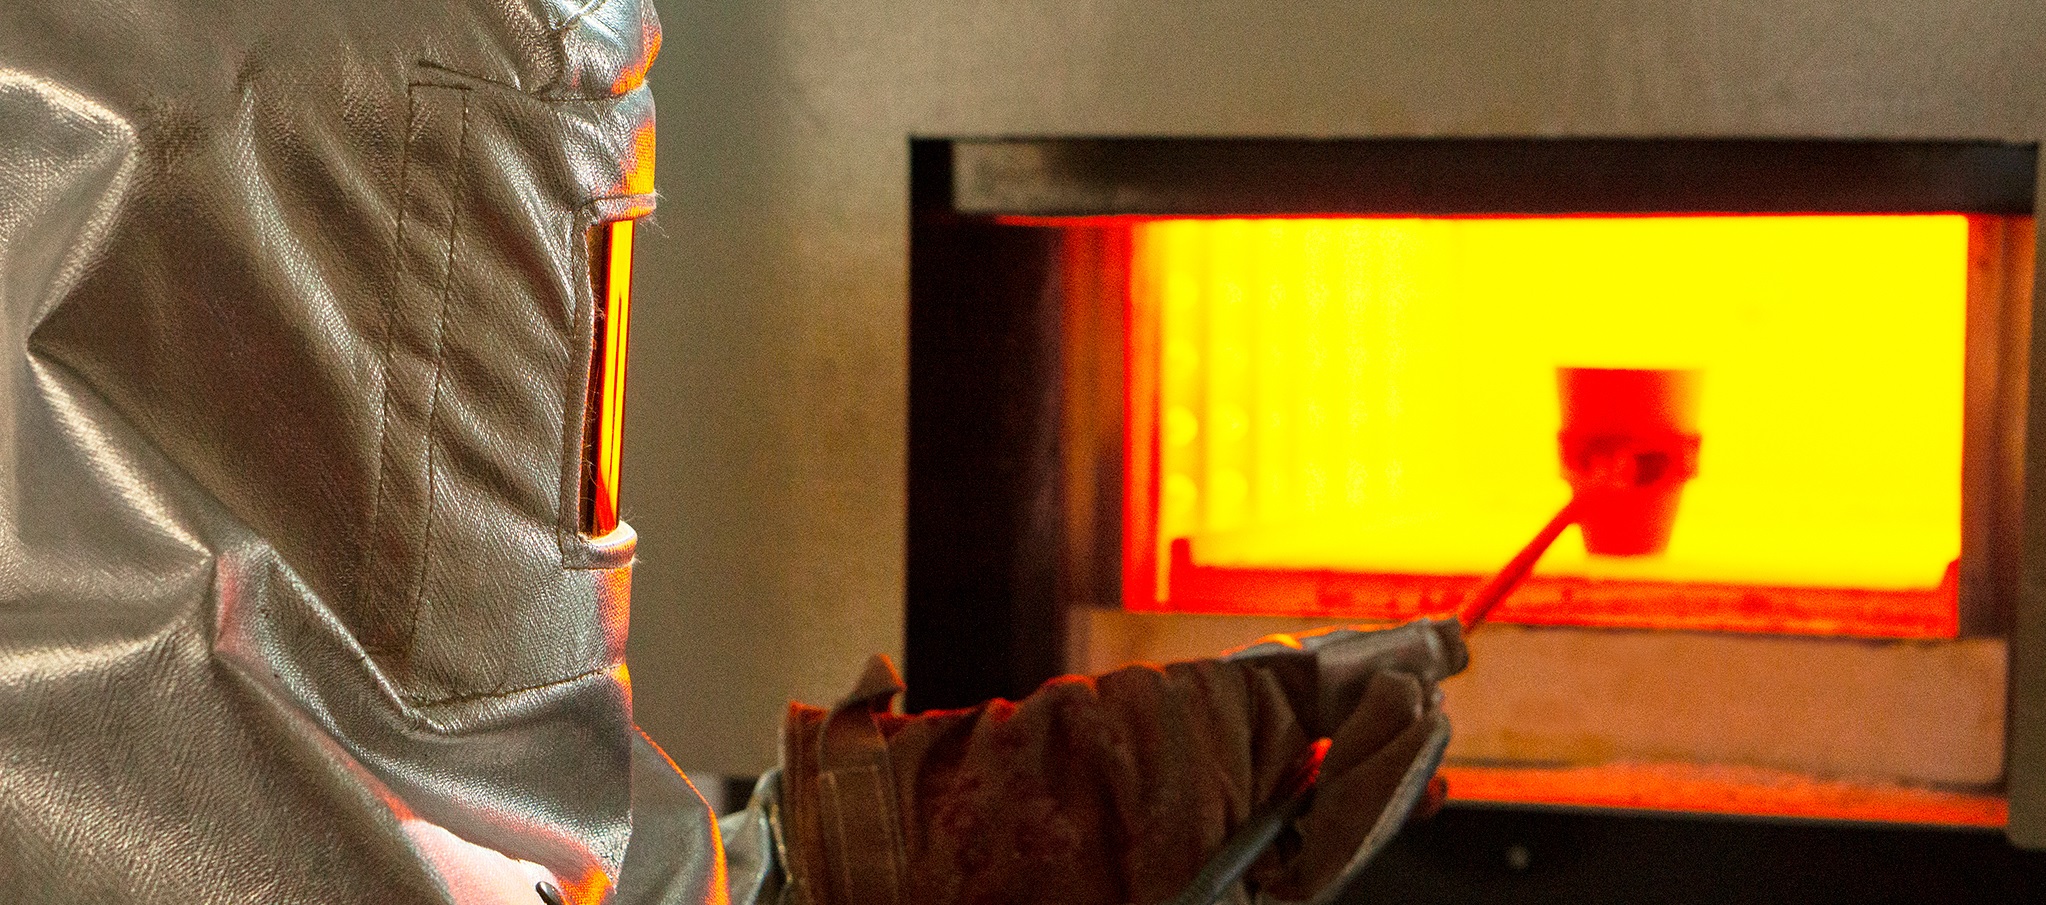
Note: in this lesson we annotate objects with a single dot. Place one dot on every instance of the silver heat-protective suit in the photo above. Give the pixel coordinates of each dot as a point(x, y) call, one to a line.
point(294, 604)
point(297, 322)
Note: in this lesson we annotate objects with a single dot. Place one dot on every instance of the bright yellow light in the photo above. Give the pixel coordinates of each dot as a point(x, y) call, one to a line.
point(604, 440)
point(1380, 395)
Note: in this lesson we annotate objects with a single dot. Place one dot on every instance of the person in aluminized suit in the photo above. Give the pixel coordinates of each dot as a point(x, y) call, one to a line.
point(298, 601)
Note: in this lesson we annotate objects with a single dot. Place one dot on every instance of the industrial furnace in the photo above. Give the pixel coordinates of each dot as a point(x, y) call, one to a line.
point(1174, 394)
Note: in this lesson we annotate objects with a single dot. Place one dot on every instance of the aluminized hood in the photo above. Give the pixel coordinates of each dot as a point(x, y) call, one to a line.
point(297, 326)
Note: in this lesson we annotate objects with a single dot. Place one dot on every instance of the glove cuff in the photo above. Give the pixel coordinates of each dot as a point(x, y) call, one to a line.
point(844, 824)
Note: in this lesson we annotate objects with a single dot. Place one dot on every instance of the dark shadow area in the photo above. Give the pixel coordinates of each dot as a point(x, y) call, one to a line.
point(1474, 856)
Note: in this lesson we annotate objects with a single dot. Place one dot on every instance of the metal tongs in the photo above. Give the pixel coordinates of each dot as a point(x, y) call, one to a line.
point(1629, 443)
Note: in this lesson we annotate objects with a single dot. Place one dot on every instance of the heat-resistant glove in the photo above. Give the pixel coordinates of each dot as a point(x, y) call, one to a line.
point(1115, 789)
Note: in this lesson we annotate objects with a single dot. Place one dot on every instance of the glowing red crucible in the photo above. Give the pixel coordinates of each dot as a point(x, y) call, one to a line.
point(1629, 443)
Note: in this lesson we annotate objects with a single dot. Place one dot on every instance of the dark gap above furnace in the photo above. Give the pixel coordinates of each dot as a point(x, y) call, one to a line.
point(1476, 177)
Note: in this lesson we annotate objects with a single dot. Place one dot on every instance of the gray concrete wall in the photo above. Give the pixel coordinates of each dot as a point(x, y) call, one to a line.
point(765, 464)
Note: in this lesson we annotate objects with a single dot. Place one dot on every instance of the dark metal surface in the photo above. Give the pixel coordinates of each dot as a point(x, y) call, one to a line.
point(1482, 856)
point(1213, 176)
point(985, 521)
point(2026, 753)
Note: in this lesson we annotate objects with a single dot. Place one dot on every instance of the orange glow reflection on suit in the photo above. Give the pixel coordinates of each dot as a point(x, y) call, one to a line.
point(639, 167)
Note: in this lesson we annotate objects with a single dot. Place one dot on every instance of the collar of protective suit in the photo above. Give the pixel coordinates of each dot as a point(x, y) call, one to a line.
point(296, 312)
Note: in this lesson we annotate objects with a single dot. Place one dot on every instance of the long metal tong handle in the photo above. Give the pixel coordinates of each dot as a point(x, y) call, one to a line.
point(1516, 570)
point(1251, 839)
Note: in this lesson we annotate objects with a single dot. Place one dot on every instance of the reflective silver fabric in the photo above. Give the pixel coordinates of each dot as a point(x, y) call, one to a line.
point(297, 320)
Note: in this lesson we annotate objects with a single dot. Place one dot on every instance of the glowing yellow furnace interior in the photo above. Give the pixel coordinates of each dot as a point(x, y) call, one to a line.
point(1379, 395)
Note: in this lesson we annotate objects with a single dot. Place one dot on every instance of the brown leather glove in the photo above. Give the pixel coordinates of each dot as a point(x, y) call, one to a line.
point(1114, 789)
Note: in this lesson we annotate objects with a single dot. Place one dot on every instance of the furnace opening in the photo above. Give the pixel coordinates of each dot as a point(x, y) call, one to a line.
point(1346, 407)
